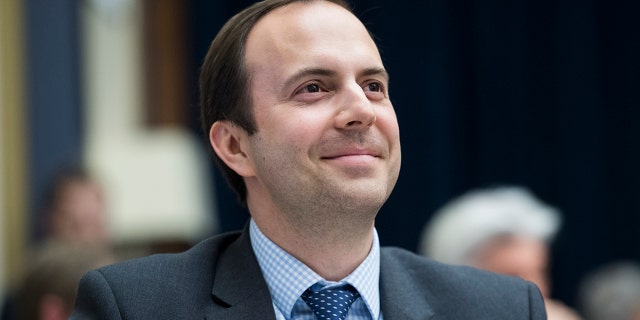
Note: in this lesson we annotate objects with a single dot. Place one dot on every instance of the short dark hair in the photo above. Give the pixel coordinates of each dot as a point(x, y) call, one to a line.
point(56, 189)
point(224, 83)
point(64, 176)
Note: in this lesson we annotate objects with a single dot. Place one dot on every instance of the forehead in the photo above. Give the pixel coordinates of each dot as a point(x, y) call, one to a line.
point(303, 14)
point(308, 28)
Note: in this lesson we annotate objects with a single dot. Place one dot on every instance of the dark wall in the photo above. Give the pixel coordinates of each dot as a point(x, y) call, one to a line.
point(537, 93)
point(542, 94)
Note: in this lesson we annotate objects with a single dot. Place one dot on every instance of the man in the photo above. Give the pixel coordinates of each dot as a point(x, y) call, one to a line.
point(295, 100)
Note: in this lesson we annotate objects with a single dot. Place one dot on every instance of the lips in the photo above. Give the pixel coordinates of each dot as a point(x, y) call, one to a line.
point(357, 152)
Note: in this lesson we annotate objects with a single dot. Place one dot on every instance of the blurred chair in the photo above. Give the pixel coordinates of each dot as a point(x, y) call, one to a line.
point(504, 230)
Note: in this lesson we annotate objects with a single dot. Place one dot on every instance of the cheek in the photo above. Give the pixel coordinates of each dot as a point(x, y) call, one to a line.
point(388, 124)
point(294, 126)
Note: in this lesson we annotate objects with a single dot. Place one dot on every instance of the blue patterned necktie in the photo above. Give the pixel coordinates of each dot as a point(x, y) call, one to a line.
point(331, 304)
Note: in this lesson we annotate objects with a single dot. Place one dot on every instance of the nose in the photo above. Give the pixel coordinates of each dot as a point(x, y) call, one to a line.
point(355, 109)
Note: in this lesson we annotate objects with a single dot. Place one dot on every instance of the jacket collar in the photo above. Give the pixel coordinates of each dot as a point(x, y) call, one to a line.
point(241, 293)
point(400, 297)
point(239, 289)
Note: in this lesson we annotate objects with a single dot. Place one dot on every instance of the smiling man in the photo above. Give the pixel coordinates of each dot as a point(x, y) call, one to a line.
point(295, 101)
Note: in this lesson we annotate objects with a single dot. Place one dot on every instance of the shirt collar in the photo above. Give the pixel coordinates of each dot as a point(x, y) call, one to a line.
point(287, 277)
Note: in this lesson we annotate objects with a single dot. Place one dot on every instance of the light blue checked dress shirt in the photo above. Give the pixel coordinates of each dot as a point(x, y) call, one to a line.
point(287, 278)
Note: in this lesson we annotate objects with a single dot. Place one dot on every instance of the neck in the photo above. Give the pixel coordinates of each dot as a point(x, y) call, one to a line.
point(333, 249)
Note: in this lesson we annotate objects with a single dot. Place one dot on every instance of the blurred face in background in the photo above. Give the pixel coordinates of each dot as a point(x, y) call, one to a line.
point(78, 215)
point(518, 256)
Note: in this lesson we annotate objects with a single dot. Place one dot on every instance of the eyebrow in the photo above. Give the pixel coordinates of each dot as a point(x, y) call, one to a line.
point(307, 72)
point(374, 71)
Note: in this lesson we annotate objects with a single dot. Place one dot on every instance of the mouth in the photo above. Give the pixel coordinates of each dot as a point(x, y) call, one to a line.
point(353, 158)
point(355, 153)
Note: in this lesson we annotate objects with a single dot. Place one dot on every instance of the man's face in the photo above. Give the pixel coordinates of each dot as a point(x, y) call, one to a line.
point(327, 132)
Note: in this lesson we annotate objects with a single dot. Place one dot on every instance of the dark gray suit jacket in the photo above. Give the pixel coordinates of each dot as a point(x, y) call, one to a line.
point(220, 279)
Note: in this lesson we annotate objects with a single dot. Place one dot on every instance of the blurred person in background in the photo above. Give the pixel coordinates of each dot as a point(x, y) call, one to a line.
point(49, 288)
point(611, 292)
point(74, 220)
point(75, 209)
point(504, 230)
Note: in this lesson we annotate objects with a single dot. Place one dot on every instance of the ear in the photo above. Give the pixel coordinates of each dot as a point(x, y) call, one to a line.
point(231, 143)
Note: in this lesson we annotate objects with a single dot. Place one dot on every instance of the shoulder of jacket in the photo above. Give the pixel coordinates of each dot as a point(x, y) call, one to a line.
point(202, 254)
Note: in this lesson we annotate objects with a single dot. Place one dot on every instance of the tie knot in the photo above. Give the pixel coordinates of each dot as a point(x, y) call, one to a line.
point(331, 304)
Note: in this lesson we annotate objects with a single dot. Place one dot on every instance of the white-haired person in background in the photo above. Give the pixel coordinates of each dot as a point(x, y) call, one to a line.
point(504, 230)
point(612, 292)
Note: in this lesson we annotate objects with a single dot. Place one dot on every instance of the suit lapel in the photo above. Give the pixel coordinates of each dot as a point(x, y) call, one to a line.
point(241, 293)
point(400, 298)
point(238, 286)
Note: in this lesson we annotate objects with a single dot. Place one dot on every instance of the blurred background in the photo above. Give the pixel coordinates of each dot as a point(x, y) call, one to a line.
point(536, 93)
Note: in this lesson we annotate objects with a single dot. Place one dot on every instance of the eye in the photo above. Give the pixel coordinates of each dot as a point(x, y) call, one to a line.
point(374, 86)
point(310, 92)
point(310, 88)
point(374, 90)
